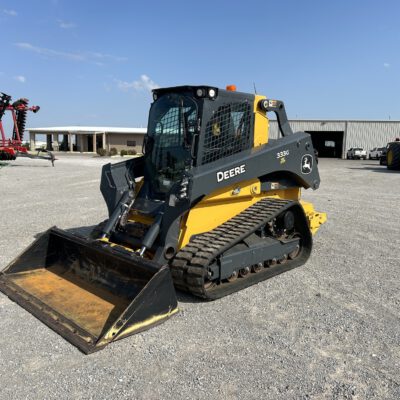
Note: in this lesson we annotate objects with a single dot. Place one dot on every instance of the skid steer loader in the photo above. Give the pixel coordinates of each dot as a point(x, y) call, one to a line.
point(213, 206)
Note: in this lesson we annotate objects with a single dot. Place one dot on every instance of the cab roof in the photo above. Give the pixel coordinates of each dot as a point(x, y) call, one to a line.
point(193, 89)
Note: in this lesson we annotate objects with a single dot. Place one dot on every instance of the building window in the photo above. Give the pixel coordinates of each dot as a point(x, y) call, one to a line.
point(131, 143)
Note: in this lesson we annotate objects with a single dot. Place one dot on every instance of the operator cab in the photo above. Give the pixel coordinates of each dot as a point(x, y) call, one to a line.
point(190, 126)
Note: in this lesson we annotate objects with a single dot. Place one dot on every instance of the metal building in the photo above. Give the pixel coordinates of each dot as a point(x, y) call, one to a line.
point(334, 138)
point(89, 138)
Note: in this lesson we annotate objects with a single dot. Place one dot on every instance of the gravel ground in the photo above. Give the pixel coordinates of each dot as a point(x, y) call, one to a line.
point(326, 330)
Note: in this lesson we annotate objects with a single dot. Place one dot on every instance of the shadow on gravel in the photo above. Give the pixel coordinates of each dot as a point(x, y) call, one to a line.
point(184, 297)
point(30, 166)
point(377, 169)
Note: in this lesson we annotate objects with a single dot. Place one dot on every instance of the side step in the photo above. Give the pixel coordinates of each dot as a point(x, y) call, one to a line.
point(88, 292)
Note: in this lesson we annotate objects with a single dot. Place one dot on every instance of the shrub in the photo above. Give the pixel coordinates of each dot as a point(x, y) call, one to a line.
point(113, 151)
point(123, 152)
point(131, 152)
point(102, 152)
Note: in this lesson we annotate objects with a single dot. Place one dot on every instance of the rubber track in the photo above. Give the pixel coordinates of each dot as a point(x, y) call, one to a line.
point(190, 264)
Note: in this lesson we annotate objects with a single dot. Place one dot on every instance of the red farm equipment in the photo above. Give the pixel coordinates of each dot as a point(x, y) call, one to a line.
point(12, 148)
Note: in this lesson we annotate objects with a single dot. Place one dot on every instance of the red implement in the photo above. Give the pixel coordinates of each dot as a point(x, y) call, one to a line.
point(12, 148)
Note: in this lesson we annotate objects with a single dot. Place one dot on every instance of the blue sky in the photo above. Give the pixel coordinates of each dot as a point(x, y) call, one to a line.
point(94, 62)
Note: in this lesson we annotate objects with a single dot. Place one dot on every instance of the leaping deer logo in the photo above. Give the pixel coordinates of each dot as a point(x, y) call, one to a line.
point(306, 165)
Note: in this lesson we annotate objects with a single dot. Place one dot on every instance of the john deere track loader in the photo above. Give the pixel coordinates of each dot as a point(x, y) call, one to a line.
point(213, 206)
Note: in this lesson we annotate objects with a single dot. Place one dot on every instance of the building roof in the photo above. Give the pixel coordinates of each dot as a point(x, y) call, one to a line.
point(367, 121)
point(87, 129)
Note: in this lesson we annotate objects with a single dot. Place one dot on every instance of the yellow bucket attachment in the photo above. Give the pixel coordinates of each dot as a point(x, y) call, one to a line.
point(87, 291)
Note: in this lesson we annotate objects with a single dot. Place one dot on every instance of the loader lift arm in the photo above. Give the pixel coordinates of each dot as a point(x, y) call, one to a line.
point(277, 107)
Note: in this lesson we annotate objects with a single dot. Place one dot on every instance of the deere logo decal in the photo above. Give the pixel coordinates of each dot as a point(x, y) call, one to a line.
point(230, 173)
point(306, 164)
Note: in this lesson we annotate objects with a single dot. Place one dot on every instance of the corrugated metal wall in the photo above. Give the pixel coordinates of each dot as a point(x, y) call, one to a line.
point(371, 134)
point(365, 134)
point(307, 126)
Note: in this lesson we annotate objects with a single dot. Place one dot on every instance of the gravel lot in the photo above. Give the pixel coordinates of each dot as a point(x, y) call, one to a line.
point(327, 330)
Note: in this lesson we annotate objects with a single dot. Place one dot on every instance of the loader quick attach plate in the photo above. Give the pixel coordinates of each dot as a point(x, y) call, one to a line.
point(88, 292)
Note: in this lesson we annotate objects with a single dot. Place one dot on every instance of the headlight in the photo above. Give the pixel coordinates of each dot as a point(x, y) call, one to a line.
point(211, 93)
point(155, 96)
point(199, 92)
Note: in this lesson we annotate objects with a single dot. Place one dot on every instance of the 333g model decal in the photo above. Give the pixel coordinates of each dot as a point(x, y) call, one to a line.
point(283, 153)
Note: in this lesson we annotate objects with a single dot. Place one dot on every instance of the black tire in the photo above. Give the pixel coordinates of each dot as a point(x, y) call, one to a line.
point(393, 156)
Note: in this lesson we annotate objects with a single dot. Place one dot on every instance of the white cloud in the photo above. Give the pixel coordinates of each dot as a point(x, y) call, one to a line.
point(50, 52)
point(104, 56)
point(20, 78)
point(11, 13)
point(144, 83)
point(66, 25)
point(88, 56)
point(386, 65)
